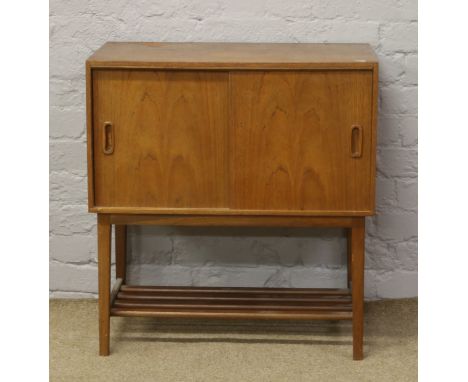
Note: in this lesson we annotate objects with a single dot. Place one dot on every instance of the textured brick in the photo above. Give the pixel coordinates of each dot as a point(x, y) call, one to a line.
point(190, 9)
point(397, 131)
point(67, 123)
point(70, 220)
point(398, 227)
point(87, 29)
point(316, 252)
point(391, 68)
point(398, 100)
point(289, 9)
point(247, 8)
point(399, 37)
point(242, 30)
point(73, 295)
point(151, 245)
point(73, 248)
point(388, 132)
point(333, 10)
point(385, 192)
point(67, 93)
point(411, 70)
point(402, 284)
point(371, 280)
point(76, 278)
point(306, 277)
point(409, 130)
point(68, 157)
point(168, 30)
point(220, 247)
point(407, 193)
point(279, 279)
point(232, 276)
point(386, 10)
point(375, 10)
point(380, 255)
point(394, 162)
point(229, 247)
point(148, 274)
point(407, 255)
point(332, 31)
point(68, 188)
point(69, 65)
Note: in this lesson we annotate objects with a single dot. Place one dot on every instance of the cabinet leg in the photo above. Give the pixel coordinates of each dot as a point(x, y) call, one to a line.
point(121, 252)
point(357, 266)
point(350, 265)
point(104, 261)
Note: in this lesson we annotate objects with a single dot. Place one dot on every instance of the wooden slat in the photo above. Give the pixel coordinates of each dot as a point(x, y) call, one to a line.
point(121, 251)
point(227, 302)
point(124, 297)
point(234, 290)
point(250, 300)
point(190, 306)
point(230, 314)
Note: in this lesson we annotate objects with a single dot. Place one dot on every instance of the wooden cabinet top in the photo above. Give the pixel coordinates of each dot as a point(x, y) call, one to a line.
point(233, 55)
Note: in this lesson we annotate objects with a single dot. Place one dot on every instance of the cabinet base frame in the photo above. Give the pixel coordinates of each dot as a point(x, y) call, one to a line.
point(230, 303)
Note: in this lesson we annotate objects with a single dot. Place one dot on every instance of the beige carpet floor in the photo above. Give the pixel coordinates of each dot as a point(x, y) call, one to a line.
point(144, 349)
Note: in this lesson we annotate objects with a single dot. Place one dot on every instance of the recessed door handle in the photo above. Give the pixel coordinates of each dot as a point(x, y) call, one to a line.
point(356, 141)
point(108, 138)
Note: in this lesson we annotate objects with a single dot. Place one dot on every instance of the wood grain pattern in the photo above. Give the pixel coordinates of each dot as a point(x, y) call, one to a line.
point(226, 211)
point(104, 262)
point(238, 291)
point(120, 251)
point(349, 252)
point(358, 234)
point(290, 140)
point(170, 131)
point(215, 134)
point(233, 221)
point(375, 110)
point(219, 302)
point(233, 55)
point(89, 135)
point(229, 314)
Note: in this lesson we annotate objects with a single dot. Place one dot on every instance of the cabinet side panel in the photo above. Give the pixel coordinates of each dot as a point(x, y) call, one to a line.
point(89, 135)
point(169, 130)
point(290, 140)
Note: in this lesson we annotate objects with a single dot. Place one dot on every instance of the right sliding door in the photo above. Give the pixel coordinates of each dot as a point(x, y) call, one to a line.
point(301, 141)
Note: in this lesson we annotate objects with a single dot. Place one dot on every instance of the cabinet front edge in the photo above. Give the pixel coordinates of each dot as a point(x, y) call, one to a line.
point(223, 211)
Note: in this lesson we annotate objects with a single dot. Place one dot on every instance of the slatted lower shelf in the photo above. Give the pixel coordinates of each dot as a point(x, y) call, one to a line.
point(242, 303)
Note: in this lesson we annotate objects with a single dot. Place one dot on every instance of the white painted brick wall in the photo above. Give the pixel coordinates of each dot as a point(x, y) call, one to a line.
point(215, 256)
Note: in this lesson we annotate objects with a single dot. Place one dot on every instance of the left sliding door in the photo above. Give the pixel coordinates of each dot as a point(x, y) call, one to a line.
point(159, 138)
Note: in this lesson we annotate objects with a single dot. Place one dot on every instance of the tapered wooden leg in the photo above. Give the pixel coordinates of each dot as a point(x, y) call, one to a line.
point(357, 266)
point(121, 252)
point(350, 267)
point(104, 261)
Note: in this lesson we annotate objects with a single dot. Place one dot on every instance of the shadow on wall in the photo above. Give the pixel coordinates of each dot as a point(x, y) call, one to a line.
point(237, 256)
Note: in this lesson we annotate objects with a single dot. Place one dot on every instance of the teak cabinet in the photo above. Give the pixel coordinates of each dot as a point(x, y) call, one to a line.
point(233, 135)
